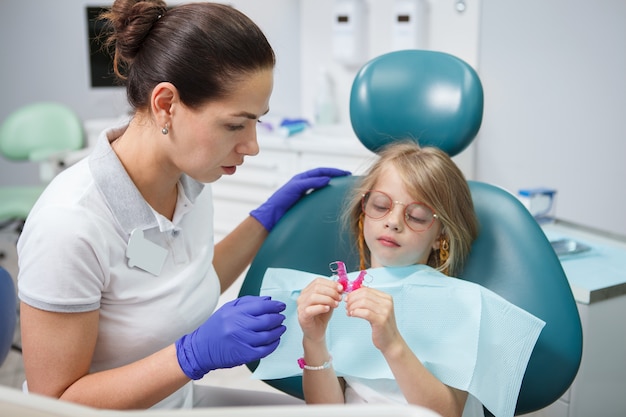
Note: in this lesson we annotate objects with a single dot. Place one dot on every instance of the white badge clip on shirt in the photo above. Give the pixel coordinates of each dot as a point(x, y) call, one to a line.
point(145, 254)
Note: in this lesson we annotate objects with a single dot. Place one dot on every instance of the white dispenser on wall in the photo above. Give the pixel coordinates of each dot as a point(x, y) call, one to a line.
point(325, 105)
point(350, 32)
point(410, 25)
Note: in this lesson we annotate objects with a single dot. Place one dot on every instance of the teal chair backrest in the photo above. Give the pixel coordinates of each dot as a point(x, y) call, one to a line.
point(8, 313)
point(437, 99)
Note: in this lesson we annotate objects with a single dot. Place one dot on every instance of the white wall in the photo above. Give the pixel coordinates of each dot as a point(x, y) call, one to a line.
point(555, 104)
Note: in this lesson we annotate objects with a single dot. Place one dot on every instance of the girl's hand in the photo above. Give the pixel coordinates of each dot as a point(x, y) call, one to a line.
point(377, 308)
point(315, 307)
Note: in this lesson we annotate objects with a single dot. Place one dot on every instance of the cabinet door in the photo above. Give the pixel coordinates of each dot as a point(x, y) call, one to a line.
point(600, 385)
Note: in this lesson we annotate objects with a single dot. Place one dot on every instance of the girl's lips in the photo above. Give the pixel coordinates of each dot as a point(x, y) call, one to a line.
point(387, 241)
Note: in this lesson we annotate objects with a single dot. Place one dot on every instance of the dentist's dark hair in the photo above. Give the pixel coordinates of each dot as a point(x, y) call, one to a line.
point(201, 48)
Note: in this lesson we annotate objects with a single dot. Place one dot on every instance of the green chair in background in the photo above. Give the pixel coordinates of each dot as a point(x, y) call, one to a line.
point(44, 133)
point(437, 99)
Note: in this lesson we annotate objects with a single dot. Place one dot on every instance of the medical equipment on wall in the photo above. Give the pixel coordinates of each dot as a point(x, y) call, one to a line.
point(410, 24)
point(325, 106)
point(460, 6)
point(350, 32)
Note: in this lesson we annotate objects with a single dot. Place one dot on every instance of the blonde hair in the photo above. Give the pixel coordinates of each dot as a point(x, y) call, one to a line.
point(431, 176)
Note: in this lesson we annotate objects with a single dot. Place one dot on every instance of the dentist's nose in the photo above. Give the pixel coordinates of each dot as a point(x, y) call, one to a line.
point(250, 145)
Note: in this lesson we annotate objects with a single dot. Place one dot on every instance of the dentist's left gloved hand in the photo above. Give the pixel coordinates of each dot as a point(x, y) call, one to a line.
point(270, 212)
point(241, 331)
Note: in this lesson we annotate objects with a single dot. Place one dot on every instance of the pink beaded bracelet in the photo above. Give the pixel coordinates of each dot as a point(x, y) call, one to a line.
point(325, 365)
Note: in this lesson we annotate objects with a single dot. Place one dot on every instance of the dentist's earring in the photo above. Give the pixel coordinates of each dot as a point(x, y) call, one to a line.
point(165, 130)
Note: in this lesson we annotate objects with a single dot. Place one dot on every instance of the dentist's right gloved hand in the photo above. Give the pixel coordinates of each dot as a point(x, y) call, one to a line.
point(241, 331)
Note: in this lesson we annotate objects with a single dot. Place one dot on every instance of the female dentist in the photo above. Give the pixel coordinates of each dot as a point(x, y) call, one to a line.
point(118, 272)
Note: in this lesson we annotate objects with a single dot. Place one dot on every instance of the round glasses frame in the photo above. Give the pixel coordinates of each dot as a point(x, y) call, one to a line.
point(418, 216)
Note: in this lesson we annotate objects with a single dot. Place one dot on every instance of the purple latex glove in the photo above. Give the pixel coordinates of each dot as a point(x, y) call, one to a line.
point(241, 331)
point(270, 212)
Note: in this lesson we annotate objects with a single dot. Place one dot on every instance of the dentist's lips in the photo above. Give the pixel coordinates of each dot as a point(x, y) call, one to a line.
point(387, 241)
point(230, 170)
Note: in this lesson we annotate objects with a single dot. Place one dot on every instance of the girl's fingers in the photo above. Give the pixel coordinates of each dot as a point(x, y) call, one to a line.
point(323, 286)
point(371, 305)
point(319, 289)
point(314, 310)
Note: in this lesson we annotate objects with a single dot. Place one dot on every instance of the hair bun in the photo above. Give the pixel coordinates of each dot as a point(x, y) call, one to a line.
point(131, 21)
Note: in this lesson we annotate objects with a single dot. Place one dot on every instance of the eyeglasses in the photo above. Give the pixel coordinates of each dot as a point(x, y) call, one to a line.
point(417, 216)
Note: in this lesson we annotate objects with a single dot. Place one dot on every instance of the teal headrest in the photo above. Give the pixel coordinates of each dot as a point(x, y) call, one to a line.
point(431, 97)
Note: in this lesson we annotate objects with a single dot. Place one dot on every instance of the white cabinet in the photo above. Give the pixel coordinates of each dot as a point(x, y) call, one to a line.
point(278, 160)
point(598, 281)
point(600, 386)
point(599, 389)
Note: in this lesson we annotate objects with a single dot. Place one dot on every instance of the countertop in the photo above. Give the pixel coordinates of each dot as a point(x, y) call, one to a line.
point(598, 273)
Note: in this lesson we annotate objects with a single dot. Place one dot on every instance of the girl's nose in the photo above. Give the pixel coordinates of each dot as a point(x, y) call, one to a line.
point(394, 219)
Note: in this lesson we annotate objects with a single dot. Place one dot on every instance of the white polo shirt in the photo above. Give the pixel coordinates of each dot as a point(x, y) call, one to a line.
point(72, 258)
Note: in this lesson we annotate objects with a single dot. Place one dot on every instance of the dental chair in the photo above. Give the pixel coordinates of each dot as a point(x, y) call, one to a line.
point(437, 99)
point(43, 132)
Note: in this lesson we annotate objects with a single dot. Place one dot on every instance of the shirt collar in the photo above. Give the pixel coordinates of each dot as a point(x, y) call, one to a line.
point(122, 196)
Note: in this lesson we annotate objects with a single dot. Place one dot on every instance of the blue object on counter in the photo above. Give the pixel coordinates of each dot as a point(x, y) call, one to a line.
point(289, 122)
point(290, 129)
point(540, 202)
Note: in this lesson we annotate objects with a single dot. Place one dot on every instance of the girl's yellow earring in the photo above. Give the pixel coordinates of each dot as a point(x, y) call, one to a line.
point(361, 243)
point(444, 254)
point(444, 247)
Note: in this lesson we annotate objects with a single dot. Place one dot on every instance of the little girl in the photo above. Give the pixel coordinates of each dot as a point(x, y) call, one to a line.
point(413, 207)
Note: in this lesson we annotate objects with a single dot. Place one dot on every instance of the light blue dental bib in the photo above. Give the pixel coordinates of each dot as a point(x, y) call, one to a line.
point(469, 337)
